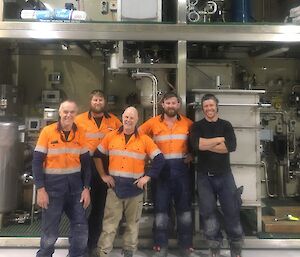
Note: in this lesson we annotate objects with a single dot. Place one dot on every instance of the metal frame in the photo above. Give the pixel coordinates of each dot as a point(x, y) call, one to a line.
point(181, 72)
point(181, 11)
point(149, 32)
point(1, 10)
point(180, 32)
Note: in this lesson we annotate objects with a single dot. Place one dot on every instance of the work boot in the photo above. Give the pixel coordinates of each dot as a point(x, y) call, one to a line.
point(127, 253)
point(214, 252)
point(160, 251)
point(236, 249)
point(235, 252)
point(189, 252)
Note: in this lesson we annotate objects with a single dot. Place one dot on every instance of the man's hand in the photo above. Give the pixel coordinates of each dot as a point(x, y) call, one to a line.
point(42, 198)
point(188, 158)
point(85, 198)
point(220, 139)
point(141, 182)
point(109, 180)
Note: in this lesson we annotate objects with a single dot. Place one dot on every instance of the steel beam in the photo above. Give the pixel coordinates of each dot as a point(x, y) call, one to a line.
point(149, 32)
point(181, 72)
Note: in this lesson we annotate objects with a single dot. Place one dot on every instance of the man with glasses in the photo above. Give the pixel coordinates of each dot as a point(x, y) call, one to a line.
point(96, 123)
point(61, 170)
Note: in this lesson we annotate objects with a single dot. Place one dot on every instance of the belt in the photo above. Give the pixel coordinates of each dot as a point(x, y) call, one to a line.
point(211, 174)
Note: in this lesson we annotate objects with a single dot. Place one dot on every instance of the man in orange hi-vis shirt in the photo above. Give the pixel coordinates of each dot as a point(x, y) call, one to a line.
point(97, 122)
point(62, 172)
point(126, 178)
point(170, 132)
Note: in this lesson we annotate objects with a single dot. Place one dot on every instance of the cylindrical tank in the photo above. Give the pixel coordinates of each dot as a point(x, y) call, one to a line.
point(241, 10)
point(9, 165)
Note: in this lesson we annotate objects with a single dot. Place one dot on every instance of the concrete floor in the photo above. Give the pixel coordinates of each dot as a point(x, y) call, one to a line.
point(147, 253)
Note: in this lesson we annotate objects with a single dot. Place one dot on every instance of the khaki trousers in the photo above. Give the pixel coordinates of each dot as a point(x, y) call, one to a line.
point(114, 209)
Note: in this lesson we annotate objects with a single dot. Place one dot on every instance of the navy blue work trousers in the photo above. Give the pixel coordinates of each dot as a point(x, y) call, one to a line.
point(222, 188)
point(98, 198)
point(70, 204)
point(177, 190)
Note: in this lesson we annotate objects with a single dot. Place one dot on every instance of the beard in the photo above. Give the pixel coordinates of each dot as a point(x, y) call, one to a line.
point(171, 112)
point(97, 110)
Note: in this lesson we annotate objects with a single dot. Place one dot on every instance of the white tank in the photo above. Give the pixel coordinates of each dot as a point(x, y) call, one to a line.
point(9, 165)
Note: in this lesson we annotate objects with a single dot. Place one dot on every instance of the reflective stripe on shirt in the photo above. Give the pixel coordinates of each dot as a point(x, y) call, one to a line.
point(102, 150)
point(121, 173)
point(64, 150)
point(41, 149)
point(138, 156)
point(174, 156)
point(84, 150)
point(155, 153)
point(170, 137)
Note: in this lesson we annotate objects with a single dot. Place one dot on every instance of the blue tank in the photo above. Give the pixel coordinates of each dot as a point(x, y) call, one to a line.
point(241, 10)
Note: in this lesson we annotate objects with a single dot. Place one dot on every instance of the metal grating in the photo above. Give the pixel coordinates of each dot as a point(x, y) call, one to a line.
point(32, 230)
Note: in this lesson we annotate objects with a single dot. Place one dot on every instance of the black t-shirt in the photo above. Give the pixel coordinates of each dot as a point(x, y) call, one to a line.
point(215, 163)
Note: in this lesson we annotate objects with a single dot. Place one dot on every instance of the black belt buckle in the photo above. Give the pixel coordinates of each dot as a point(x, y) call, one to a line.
point(210, 174)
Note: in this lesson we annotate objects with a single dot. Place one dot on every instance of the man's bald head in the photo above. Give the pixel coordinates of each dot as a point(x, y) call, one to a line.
point(129, 119)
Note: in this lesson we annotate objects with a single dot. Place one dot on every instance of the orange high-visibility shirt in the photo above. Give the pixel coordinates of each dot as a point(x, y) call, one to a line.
point(127, 159)
point(93, 134)
point(173, 142)
point(62, 156)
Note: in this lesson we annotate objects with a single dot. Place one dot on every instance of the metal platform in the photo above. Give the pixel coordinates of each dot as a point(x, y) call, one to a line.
point(199, 243)
point(148, 253)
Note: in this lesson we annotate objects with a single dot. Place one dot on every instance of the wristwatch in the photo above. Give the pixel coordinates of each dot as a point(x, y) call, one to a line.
point(87, 187)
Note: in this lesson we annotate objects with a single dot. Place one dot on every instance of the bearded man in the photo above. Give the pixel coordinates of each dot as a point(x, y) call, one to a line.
point(96, 123)
point(170, 132)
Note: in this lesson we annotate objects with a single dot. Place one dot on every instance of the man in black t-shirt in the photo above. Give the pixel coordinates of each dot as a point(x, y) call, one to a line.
point(213, 139)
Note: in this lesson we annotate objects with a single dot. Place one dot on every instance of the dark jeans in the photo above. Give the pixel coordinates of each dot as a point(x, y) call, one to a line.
point(98, 197)
point(70, 204)
point(222, 188)
point(179, 190)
